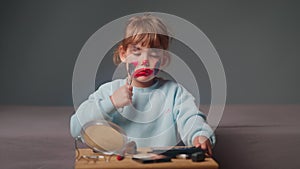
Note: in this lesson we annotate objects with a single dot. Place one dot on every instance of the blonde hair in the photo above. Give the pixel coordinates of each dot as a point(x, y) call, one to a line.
point(148, 30)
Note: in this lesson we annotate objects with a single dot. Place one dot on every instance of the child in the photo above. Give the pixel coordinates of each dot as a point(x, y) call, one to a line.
point(152, 111)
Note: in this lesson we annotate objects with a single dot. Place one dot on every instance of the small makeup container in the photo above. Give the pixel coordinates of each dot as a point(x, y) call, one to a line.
point(198, 157)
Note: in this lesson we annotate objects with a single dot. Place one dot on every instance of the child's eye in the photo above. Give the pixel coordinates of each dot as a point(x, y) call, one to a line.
point(137, 53)
point(154, 55)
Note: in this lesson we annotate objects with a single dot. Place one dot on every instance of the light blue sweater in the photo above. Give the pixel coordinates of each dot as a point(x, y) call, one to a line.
point(160, 115)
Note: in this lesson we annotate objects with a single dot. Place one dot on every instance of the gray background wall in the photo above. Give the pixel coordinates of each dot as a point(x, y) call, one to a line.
point(258, 43)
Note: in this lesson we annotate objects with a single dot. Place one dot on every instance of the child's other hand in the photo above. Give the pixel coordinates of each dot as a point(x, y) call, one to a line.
point(122, 96)
point(203, 143)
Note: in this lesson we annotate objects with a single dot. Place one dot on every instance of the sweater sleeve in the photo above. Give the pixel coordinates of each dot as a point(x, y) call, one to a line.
point(98, 106)
point(190, 121)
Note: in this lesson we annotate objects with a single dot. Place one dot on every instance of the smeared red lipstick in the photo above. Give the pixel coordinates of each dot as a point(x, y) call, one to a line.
point(142, 72)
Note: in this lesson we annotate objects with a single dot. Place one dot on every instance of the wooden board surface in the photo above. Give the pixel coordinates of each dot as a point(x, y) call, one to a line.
point(83, 163)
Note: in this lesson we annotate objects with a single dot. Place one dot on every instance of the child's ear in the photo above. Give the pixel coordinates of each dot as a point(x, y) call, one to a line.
point(122, 53)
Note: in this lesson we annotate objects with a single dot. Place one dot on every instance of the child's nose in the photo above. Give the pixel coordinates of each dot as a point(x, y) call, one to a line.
point(145, 62)
point(145, 59)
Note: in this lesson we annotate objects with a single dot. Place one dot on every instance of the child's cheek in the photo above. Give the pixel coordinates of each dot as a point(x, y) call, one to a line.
point(135, 63)
point(156, 67)
point(131, 67)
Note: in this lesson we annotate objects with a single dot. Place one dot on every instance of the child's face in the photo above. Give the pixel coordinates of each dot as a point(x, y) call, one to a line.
point(143, 63)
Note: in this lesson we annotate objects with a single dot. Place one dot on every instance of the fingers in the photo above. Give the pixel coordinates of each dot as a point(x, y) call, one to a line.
point(122, 96)
point(210, 151)
point(207, 146)
point(204, 144)
point(130, 88)
point(196, 143)
point(130, 94)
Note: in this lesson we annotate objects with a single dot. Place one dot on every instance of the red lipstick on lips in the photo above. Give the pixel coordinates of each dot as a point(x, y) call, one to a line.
point(142, 72)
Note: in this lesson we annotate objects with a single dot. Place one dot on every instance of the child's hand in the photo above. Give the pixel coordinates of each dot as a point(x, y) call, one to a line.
point(122, 96)
point(203, 143)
